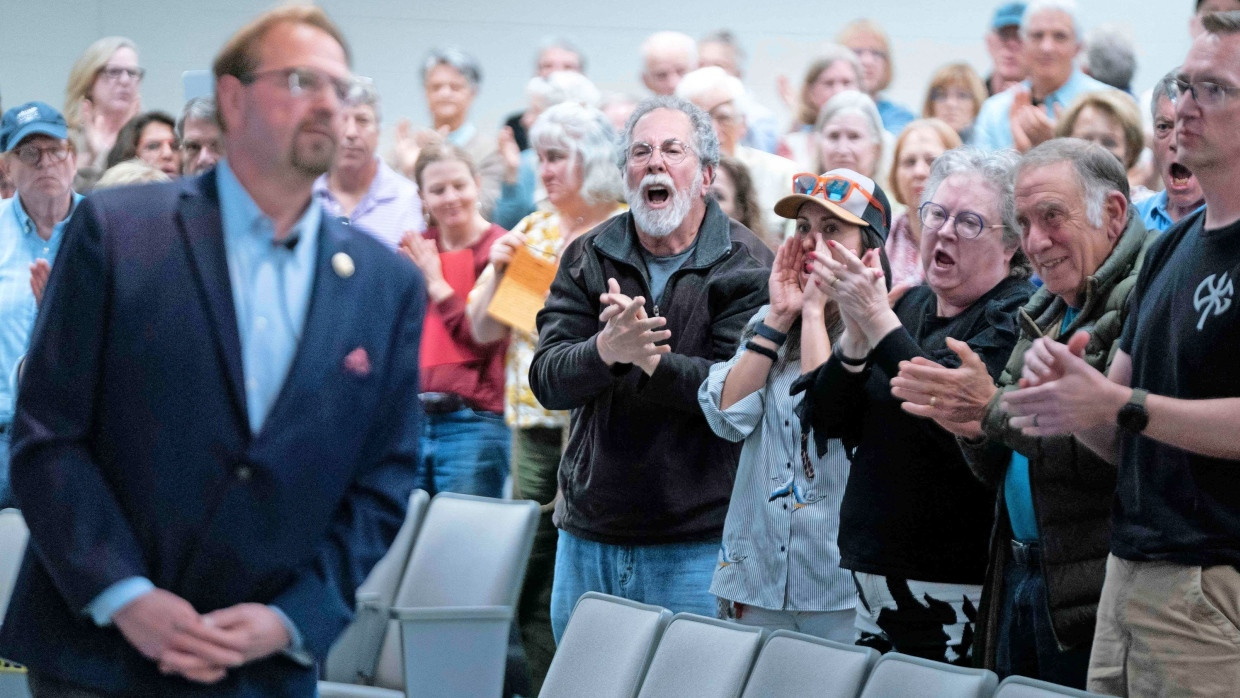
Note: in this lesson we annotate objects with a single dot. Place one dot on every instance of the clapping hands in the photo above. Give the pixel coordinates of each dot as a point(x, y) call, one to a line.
point(629, 336)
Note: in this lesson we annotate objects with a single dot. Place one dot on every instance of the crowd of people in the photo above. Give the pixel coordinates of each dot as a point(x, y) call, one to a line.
point(949, 383)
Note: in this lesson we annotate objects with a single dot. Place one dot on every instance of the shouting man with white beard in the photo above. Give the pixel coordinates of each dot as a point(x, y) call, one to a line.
point(639, 310)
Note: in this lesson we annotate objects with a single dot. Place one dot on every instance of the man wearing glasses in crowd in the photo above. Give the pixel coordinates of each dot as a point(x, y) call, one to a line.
point(639, 310)
point(214, 443)
point(1167, 414)
point(40, 161)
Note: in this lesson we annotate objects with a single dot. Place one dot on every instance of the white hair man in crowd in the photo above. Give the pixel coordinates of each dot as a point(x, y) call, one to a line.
point(671, 283)
point(1024, 116)
point(1167, 414)
point(722, 96)
point(666, 58)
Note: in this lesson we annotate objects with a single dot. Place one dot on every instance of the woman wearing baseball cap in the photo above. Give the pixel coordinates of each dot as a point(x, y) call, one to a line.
point(914, 522)
point(779, 565)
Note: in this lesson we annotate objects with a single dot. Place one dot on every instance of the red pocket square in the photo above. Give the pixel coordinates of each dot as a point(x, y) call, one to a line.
point(357, 363)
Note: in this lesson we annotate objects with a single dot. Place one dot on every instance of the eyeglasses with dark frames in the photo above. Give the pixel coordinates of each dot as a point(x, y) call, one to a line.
point(968, 224)
point(31, 154)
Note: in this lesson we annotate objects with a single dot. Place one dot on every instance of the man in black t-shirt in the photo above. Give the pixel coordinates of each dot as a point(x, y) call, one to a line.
point(1169, 417)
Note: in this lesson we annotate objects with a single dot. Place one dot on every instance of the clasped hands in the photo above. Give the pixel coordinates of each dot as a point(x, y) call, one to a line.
point(166, 629)
point(629, 336)
point(858, 287)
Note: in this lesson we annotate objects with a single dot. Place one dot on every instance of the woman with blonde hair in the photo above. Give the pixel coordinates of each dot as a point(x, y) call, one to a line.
point(102, 95)
point(918, 146)
point(873, 48)
point(1109, 118)
point(955, 96)
point(835, 70)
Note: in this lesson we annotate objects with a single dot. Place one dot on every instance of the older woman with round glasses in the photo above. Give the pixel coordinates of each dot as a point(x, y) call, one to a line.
point(779, 565)
point(914, 522)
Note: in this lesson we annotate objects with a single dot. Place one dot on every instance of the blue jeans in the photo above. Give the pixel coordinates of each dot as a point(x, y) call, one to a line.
point(465, 452)
point(1026, 644)
point(673, 575)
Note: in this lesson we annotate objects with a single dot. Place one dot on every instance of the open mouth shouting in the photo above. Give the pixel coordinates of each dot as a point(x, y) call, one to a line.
point(657, 190)
point(1178, 177)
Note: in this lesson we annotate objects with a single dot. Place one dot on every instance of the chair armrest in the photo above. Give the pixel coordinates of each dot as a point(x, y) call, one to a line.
point(500, 613)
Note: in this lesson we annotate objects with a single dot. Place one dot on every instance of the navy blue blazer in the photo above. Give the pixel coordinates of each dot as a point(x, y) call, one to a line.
point(132, 453)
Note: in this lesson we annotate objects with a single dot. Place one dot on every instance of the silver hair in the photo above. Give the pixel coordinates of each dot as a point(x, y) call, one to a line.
point(362, 93)
point(997, 168)
point(709, 79)
point(705, 143)
point(563, 86)
point(727, 38)
point(1110, 56)
point(560, 42)
point(588, 136)
point(458, 60)
point(1068, 7)
point(675, 41)
point(852, 101)
point(197, 109)
point(1098, 172)
point(1163, 89)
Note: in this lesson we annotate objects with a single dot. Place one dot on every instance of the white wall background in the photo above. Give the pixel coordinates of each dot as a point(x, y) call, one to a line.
point(40, 39)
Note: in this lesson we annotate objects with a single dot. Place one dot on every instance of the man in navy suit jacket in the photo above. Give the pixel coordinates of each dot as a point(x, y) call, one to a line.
point(218, 422)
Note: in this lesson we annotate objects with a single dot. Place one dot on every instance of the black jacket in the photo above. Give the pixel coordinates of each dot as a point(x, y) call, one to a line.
point(642, 466)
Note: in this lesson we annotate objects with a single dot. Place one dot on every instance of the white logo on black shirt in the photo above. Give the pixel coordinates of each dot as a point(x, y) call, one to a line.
point(1212, 296)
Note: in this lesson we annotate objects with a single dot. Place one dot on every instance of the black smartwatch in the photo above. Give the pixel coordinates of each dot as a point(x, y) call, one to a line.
point(1132, 416)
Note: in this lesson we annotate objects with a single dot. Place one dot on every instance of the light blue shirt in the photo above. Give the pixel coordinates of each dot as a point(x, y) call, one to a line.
point(993, 130)
point(271, 287)
point(20, 246)
point(1153, 211)
point(894, 116)
point(1017, 489)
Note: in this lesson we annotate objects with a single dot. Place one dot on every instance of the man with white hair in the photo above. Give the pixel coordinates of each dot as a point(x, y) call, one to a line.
point(722, 96)
point(555, 54)
point(722, 48)
point(1024, 115)
point(640, 308)
point(666, 58)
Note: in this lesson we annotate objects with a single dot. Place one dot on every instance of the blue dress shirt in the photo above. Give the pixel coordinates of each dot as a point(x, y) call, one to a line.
point(1017, 490)
point(271, 285)
point(993, 129)
point(1153, 211)
point(20, 246)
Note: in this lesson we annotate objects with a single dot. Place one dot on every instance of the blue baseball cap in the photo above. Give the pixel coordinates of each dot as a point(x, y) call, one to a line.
point(1008, 15)
point(30, 119)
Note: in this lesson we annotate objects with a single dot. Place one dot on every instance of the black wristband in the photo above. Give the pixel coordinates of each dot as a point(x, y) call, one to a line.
point(758, 348)
point(849, 361)
point(766, 331)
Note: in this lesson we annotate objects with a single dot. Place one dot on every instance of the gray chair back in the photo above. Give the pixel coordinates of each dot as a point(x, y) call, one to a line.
point(701, 657)
point(356, 654)
point(606, 648)
point(899, 676)
point(1024, 687)
point(458, 597)
point(13, 537)
point(794, 664)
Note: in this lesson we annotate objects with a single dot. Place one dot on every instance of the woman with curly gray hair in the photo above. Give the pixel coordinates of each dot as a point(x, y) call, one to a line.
point(575, 147)
point(915, 523)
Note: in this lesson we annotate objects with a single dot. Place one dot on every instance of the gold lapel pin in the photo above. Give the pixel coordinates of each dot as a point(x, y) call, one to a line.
point(343, 265)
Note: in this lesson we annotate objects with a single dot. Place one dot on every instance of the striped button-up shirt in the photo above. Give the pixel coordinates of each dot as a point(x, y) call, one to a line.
point(390, 208)
point(779, 539)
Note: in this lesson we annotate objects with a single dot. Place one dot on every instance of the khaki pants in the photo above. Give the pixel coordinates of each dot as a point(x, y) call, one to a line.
point(1167, 630)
